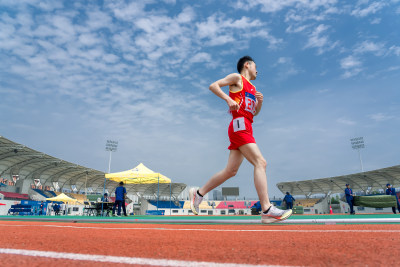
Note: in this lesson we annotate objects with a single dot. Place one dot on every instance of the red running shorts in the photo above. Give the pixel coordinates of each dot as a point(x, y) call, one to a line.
point(240, 132)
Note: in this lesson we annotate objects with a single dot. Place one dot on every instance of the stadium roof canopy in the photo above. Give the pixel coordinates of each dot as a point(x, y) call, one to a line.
point(364, 181)
point(29, 164)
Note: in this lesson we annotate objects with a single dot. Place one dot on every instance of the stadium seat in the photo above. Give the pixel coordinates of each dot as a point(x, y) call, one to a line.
point(20, 209)
point(231, 205)
point(307, 202)
point(165, 204)
point(14, 196)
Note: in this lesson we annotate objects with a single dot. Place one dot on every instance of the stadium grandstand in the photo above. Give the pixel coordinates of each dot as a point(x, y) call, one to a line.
point(315, 195)
point(27, 174)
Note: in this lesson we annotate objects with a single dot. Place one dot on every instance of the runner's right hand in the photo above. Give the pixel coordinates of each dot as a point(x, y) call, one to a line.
point(233, 105)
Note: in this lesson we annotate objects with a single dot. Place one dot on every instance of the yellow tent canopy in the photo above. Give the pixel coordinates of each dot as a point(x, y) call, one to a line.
point(139, 175)
point(63, 198)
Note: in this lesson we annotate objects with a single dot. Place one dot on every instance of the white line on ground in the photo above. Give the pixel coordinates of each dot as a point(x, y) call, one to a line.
point(211, 230)
point(116, 259)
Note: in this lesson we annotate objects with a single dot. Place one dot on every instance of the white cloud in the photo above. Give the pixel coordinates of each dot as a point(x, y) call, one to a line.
point(270, 6)
point(218, 30)
point(380, 117)
point(376, 21)
point(393, 68)
point(45, 5)
point(171, 2)
point(317, 39)
point(98, 19)
point(266, 5)
point(187, 15)
point(345, 121)
point(371, 9)
point(89, 39)
point(296, 29)
point(351, 72)
point(395, 50)
point(350, 62)
point(370, 47)
point(216, 24)
point(201, 57)
point(285, 68)
point(49, 5)
point(110, 58)
point(127, 11)
point(283, 60)
point(351, 65)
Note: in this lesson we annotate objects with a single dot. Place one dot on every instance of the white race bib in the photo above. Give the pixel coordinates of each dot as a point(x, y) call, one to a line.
point(238, 124)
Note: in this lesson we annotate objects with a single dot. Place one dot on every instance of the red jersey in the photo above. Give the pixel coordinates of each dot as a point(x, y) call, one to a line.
point(246, 99)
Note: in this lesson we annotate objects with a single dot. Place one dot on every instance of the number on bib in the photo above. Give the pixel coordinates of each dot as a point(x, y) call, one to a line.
point(250, 103)
point(238, 124)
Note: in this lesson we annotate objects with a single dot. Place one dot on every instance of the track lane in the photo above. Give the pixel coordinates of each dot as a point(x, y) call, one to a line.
point(311, 245)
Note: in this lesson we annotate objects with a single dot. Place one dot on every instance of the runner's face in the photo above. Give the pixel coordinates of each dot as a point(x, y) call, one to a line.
point(253, 70)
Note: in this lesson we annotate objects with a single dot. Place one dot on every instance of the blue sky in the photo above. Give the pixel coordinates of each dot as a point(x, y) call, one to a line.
point(73, 75)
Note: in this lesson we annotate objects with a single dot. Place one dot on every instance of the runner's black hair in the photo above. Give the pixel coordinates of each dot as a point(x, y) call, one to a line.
point(241, 62)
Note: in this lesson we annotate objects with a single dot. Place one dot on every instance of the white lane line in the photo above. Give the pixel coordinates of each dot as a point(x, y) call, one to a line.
point(116, 259)
point(211, 230)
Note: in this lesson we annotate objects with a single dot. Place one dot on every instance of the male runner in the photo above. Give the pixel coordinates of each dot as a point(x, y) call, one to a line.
point(244, 102)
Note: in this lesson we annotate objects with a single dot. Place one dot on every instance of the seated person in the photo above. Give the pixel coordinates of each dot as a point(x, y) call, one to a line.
point(105, 198)
point(256, 208)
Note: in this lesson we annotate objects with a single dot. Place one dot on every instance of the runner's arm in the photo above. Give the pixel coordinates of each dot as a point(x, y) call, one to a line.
point(233, 79)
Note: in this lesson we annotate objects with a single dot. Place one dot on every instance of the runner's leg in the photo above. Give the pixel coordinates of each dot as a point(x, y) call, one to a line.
point(234, 161)
point(253, 154)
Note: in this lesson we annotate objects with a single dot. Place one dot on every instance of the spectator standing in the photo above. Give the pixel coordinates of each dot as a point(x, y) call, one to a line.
point(56, 209)
point(350, 198)
point(289, 199)
point(120, 195)
point(63, 209)
point(41, 208)
point(391, 191)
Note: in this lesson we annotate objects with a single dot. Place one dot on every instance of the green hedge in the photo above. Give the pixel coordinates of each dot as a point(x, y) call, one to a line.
point(379, 201)
point(296, 209)
point(93, 197)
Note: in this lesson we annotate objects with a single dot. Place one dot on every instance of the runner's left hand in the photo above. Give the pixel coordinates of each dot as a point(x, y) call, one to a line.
point(259, 96)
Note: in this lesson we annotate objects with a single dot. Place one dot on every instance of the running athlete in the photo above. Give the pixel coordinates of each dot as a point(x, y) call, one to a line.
point(244, 102)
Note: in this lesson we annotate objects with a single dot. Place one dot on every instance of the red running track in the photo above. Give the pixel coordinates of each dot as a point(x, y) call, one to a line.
point(300, 245)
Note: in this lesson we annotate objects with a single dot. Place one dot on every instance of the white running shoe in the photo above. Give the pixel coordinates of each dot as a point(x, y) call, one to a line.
point(274, 215)
point(195, 200)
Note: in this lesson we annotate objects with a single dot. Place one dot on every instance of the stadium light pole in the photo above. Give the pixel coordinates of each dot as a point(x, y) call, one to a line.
point(357, 143)
point(86, 183)
point(111, 146)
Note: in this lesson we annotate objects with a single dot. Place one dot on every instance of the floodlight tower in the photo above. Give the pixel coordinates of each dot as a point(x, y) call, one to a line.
point(358, 143)
point(111, 146)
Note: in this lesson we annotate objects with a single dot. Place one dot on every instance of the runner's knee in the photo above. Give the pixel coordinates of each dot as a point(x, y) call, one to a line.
point(260, 162)
point(231, 172)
